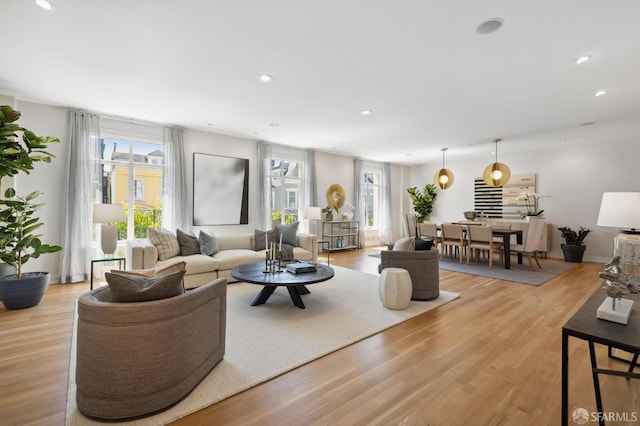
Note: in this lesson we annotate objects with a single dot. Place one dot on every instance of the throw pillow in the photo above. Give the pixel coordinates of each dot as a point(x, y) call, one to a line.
point(259, 238)
point(404, 244)
point(188, 243)
point(142, 289)
point(160, 271)
point(166, 243)
point(288, 233)
point(208, 243)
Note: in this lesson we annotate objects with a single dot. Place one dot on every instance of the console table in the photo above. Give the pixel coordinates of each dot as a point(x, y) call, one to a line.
point(584, 325)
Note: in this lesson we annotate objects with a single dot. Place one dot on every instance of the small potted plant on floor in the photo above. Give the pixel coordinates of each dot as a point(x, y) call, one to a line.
point(573, 248)
point(19, 150)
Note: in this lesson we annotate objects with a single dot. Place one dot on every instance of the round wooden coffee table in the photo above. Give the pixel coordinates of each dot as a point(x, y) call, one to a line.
point(295, 283)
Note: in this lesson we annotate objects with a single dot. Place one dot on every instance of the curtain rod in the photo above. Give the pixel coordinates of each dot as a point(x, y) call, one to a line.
point(125, 119)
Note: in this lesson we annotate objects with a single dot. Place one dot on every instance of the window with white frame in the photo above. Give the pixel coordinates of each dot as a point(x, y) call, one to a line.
point(132, 174)
point(287, 185)
point(370, 185)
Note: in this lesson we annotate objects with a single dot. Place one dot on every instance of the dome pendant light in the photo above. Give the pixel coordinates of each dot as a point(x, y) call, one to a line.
point(496, 174)
point(443, 177)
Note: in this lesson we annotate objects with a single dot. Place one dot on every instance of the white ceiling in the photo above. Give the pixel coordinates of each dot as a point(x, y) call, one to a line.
point(419, 65)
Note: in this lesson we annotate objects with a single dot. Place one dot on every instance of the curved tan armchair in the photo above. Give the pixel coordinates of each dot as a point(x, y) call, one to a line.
point(423, 268)
point(137, 358)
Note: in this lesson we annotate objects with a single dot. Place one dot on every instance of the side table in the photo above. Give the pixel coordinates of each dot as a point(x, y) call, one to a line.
point(322, 243)
point(122, 263)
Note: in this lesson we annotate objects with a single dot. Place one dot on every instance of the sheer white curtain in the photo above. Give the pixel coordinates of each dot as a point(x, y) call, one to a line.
point(83, 180)
point(385, 204)
point(358, 166)
point(176, 211)
point(264, 171)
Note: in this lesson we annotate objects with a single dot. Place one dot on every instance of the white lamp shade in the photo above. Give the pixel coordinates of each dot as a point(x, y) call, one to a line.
point(108, 213)
point(620, 210)
point(313, 213)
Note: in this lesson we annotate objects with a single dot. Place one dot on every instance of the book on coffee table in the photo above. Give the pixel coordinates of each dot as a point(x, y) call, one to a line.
point(301, 267)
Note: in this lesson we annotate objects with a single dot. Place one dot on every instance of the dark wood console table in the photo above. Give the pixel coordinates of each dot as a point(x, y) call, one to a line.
point(584, 325)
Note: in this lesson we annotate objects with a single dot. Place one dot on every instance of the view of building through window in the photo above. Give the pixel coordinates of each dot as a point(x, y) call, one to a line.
point(287, 183)
point(371, 189)
point(132, 173)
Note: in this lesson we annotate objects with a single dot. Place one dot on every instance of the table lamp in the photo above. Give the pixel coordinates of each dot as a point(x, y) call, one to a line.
point(313, 214)
point(622, 210)
point(107, 215)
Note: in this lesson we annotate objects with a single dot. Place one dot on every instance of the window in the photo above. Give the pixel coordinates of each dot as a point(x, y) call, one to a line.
point(370, 182)
point(138, 189)
point(287, 184)
point(132, 173)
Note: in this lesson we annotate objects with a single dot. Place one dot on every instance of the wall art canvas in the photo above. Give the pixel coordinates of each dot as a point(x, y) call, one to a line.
point(220, 190)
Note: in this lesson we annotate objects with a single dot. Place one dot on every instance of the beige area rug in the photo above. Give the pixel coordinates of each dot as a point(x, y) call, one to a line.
point(268, 340)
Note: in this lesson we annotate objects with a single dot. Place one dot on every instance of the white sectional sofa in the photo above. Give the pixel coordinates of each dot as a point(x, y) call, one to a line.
point(201, 269)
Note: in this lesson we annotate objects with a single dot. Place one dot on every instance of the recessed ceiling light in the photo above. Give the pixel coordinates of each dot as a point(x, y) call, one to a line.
point(587, 123)
point(266, 77)
point(601, 92)
point(46, 5)
point(366, 112)
point(489, 26)
point(582, 59)
point(274, 124)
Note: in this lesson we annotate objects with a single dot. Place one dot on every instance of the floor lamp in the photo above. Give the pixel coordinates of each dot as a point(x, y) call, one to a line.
point(107, 215)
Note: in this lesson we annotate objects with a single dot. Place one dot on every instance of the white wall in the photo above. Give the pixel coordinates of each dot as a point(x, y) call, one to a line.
point(574, 175)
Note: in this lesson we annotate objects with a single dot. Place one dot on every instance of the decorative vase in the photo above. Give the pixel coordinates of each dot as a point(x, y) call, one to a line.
point(329, 217)
point(573, 253)
point(26, 292)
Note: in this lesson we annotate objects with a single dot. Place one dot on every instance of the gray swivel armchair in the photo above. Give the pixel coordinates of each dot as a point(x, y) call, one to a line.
point(137, 358)
point(423, 268)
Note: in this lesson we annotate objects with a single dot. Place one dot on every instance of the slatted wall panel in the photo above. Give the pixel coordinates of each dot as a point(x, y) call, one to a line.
point(487, 200)
point(501, 203)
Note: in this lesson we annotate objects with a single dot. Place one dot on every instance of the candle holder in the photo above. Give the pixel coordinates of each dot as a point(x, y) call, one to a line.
point(273, 262)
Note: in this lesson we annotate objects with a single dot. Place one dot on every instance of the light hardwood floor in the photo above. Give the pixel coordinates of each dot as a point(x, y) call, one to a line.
point(492, 357)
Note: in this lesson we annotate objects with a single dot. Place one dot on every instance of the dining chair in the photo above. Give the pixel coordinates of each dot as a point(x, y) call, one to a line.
point(453, 240)
point(410, 224)
point(531, 240)
point(429, 230)
point(480, 238)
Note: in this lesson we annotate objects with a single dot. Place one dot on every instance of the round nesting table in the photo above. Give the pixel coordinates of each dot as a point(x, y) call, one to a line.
point(295, 283)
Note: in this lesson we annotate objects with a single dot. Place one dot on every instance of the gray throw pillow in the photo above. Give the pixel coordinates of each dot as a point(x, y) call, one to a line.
point(188, 243)
point(289, 233)
point(260, 240)
point(208, 243)
point(166, 243)
point(126, 289)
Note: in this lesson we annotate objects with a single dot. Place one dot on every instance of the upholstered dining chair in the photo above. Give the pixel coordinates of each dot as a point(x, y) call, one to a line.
point(480, 238)
point(410, 225)
point(429, 230)
point(531, 240)
point(453, 239)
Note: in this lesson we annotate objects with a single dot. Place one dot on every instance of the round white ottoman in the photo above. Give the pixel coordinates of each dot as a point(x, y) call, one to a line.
point(394, 287)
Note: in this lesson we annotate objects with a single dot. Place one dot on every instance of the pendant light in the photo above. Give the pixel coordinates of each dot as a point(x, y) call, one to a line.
point(496, 174)
point(443, 177)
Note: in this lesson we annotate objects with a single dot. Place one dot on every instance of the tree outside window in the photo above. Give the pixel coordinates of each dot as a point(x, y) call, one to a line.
point(287, 183)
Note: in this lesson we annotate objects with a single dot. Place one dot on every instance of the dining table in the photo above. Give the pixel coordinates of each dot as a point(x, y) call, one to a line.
point(505, 233)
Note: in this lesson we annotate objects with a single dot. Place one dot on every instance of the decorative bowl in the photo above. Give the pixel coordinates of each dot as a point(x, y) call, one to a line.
point(470, 215)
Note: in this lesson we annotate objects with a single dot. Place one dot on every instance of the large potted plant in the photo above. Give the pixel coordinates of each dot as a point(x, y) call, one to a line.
point(573, 248)
point(19, 150)
point(423, 201)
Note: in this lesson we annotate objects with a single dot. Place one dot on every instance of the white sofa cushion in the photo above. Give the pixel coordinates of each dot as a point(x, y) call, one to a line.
point(229, 259)
point(195, 263)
